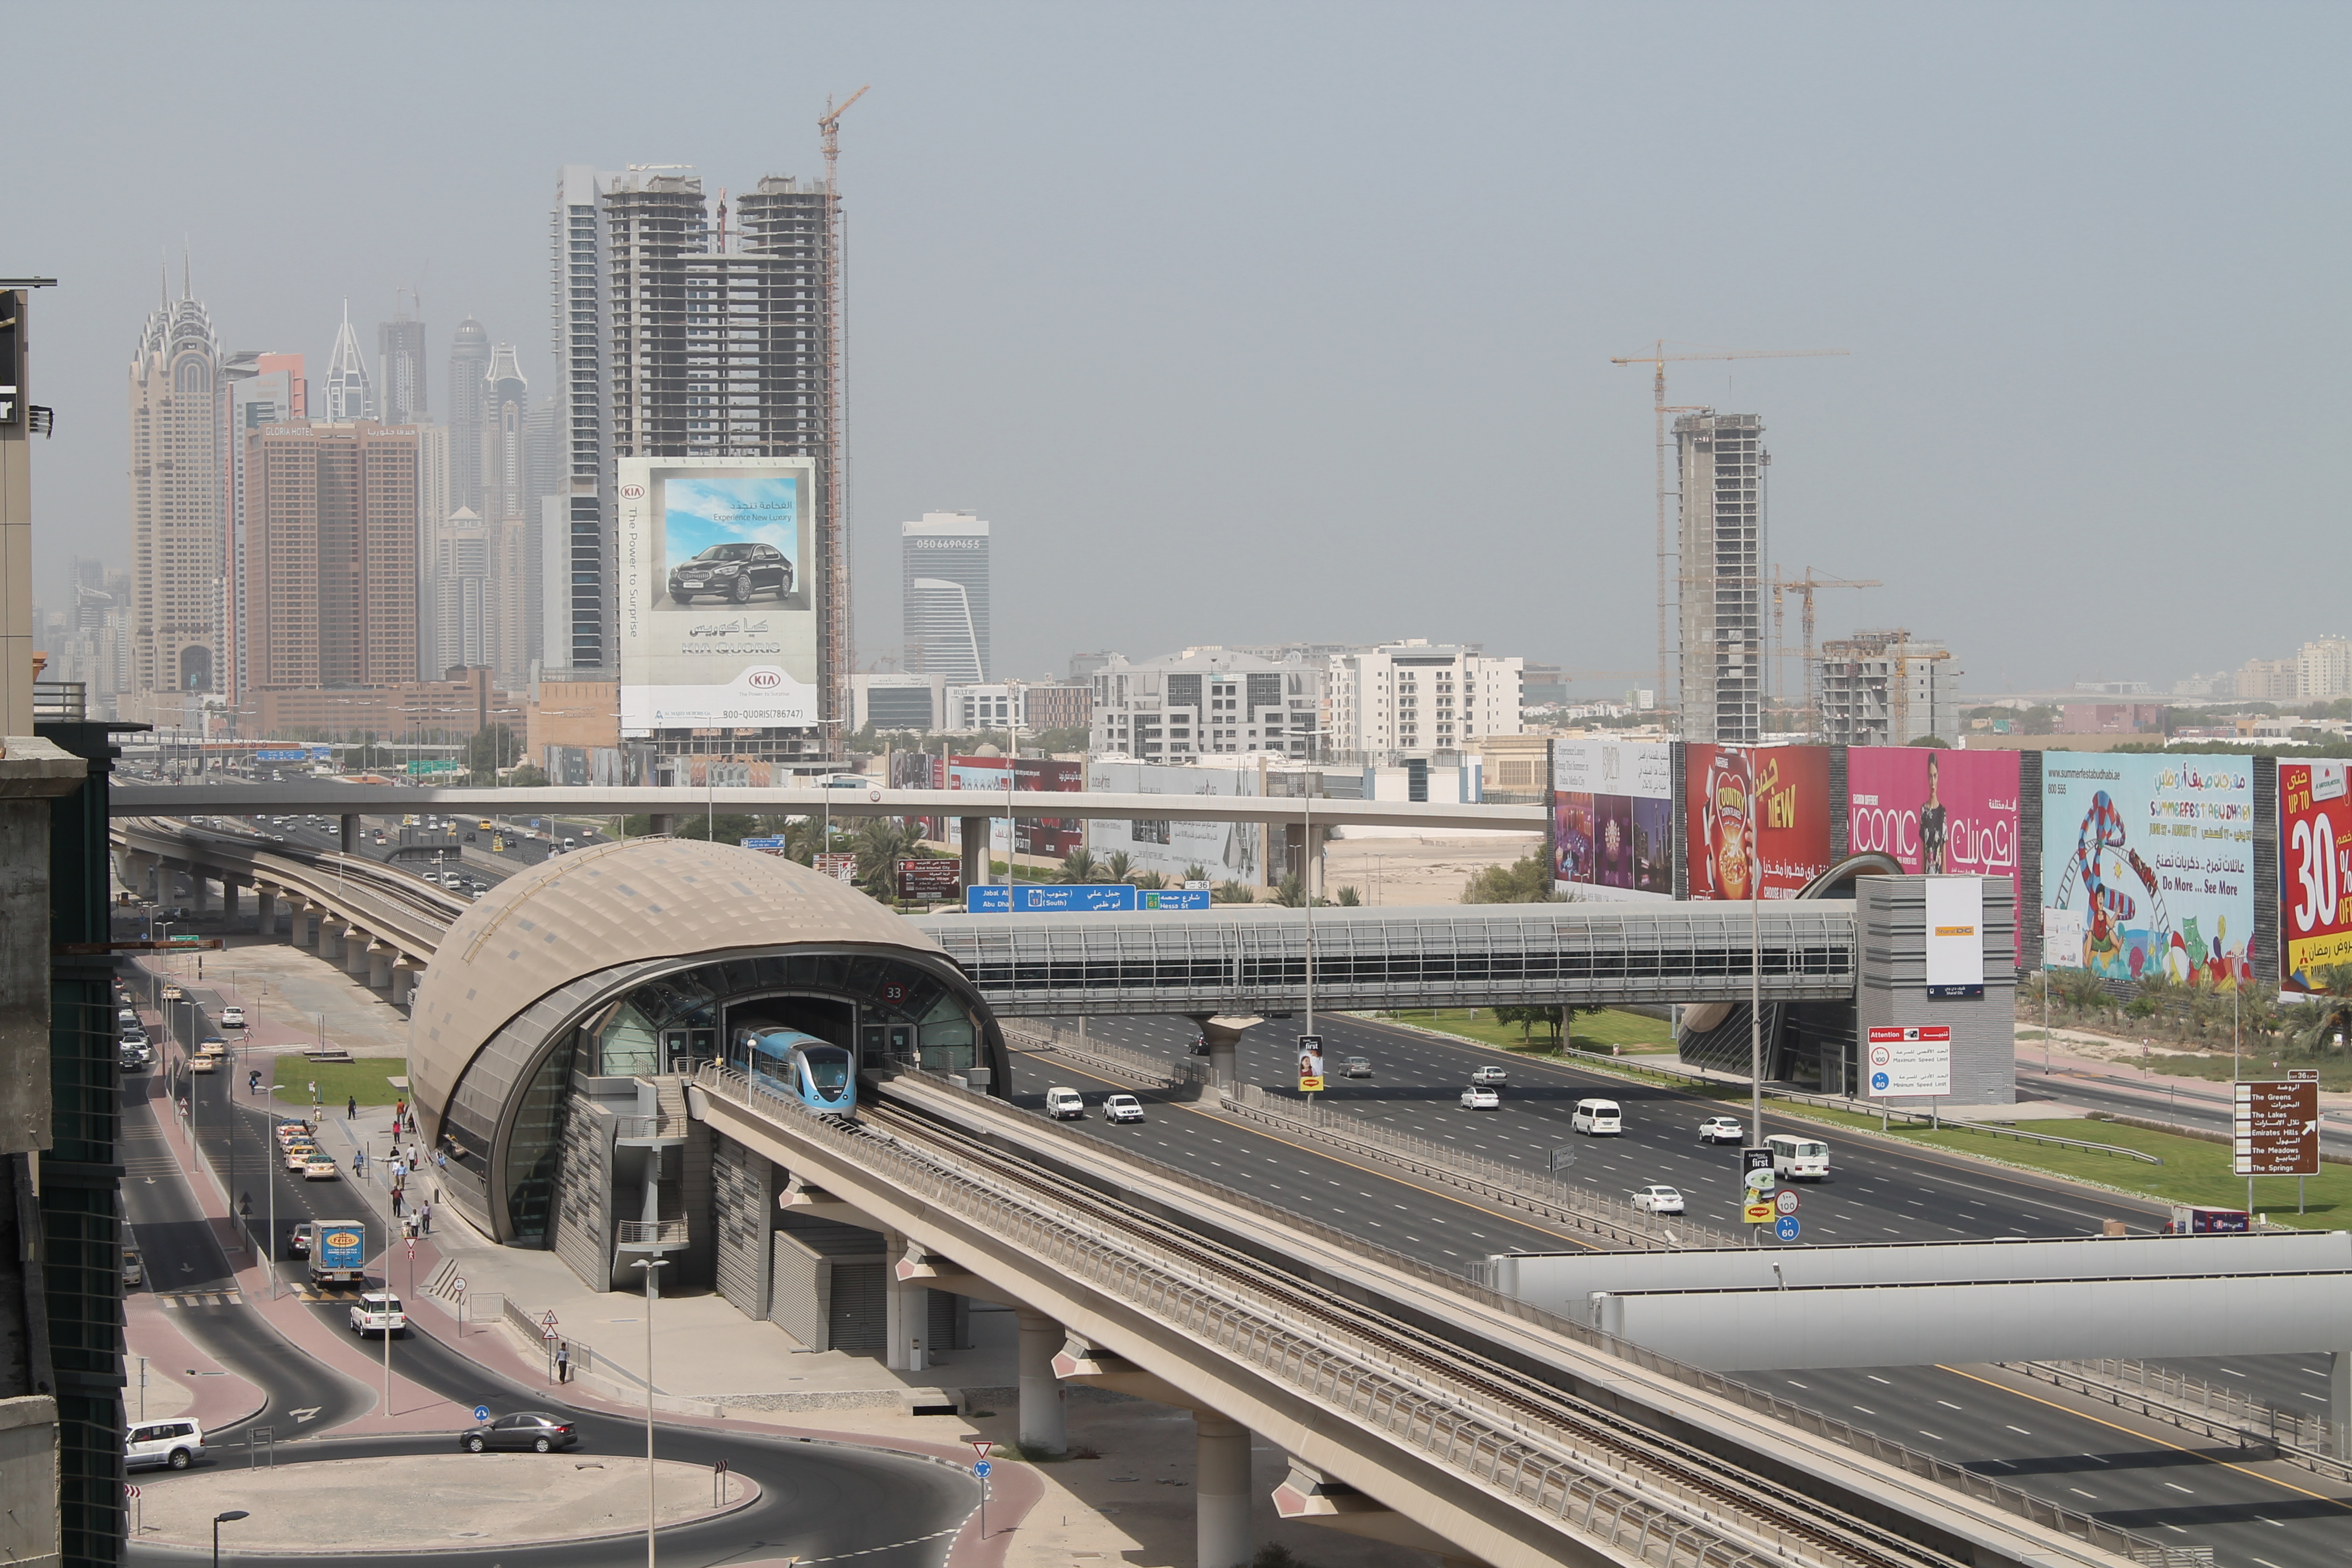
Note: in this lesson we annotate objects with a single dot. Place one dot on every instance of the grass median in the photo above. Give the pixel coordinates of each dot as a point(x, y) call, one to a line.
point(367, 1079)
point(2194, 1170)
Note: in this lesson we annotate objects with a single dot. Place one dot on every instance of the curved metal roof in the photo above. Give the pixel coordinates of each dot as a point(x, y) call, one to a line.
point(602, 908)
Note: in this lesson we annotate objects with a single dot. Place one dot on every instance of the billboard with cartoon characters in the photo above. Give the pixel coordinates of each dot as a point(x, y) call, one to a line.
point(2148, 866)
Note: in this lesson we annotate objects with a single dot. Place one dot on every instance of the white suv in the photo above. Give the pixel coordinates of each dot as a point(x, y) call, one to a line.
point(174, 1444)
point(1490, 1074)
point(1123, 1108)
point(232, 1018)
point(378, 1312)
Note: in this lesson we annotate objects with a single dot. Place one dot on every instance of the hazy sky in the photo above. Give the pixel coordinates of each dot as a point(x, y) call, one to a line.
point(1293, 321)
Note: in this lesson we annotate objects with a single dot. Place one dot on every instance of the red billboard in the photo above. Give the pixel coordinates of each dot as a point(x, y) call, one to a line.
point(1936, 813)
point(1046, 836)
point(2315, 872)
point(1769, 804)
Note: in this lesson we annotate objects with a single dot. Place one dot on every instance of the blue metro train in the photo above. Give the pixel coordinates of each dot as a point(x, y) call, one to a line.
point(818, 1073)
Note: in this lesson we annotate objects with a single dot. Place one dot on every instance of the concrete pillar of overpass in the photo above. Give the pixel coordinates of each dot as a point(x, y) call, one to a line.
point(351, 832)
point(199, 896)
point(378, 963)
point(228, 900)
point(975, 830)
point(265, 911)
point(355, 951)
point(329, 943)
point(1224, 1033)
point(298, 920)
point(2339, 1402)
point(404, 981)
point(660, 822)
point(1044, 1428)
point(906, 1314)
point(1294, 851)
point(1221, 1491)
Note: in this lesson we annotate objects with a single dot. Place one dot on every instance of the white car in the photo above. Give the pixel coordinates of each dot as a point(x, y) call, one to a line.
point(1064, 1104)
point(1356, 1067)
point(175, 1444)
point(1490, 1075)
point(378, 1312)
point(1657, 1200)
point(1123, 1108)
point(319, 1168)
point(1721, 1130)
point(1476, 1098)
point(232, 1018)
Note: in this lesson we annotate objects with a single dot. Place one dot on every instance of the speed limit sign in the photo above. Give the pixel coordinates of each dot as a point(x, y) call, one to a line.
point(1785, 1200)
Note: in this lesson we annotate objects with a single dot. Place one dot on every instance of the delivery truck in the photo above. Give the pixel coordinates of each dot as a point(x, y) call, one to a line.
point(337, 1252)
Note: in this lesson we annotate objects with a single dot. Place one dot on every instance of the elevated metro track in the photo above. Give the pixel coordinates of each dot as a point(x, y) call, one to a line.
point(402, 910)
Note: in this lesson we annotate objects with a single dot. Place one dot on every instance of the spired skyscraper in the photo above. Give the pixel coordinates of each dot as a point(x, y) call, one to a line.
point(470, 390)
point(944, 565)
point(399, 369)
point(178, 570)
point(349, 394)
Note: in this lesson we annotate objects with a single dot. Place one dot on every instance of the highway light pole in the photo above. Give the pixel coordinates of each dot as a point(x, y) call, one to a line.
point(219, 1520)
point(273, 1193)
point(652, 1294)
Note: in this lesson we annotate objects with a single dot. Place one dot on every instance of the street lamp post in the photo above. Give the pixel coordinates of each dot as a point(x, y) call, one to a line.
point(272, 1187)
point(1755, 970)
point(652, 1294)
point(219, 1520)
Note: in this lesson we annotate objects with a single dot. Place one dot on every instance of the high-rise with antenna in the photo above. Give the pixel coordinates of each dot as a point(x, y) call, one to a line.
point(837, 645)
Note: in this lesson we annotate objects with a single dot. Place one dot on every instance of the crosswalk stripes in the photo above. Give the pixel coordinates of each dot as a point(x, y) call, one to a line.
point(200, 1298)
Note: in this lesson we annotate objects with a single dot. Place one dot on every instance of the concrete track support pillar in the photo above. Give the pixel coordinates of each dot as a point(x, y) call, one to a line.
point(660, 822)
point(355, 951)
point(350, 835)
point(199, 890)
point(264, 911)
point(1223, 1032)
point(404, 982)
point(1044, 1426)
point(975, 851)
point(228, 900)
point(298, 920)
point(331, 938)
point(378, 963)
point(1221, 1491)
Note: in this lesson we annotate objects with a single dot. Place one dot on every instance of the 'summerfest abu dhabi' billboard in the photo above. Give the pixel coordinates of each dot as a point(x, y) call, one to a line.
point(2148, 866)
point(1613, 819)
point(1936, 813)
point(716, 588)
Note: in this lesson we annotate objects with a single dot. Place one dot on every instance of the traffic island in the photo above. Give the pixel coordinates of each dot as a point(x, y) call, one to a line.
point(427, 1502)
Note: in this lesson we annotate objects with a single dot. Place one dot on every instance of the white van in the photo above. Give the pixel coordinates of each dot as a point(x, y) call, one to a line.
point(1597, 1119)
point(1799, 1159)
point(1062, 1104)
point(176, 1443)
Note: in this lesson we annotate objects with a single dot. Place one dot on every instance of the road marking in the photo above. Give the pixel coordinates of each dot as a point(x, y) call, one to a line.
point(2176, 1447)
point(305, 1413)
point(1924, 1433)
point(2092, 1496)
point(2176, 1486)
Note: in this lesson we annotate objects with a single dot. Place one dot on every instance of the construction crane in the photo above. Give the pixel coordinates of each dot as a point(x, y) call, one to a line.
point(1899, 723)
point(1804, 587)
point(1658, 359)
point(837, 704)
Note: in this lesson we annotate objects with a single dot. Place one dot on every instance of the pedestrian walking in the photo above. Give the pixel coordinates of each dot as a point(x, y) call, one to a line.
point(396, 1209)
point(563, 1360)
point(359, 1163)
point(351, 1107)
point(425, 1219)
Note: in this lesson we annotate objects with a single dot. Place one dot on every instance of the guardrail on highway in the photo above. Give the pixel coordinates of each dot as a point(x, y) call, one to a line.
point(1062, 1040)
point(1579, 1207)
point(2197, 1405)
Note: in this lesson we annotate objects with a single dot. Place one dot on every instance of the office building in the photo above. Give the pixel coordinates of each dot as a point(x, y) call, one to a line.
point(469, 391)
point(350, 396)
point(400, 370)
point(261, 389)
point(176, 539)
point(1416, 698)
point(461, 629)
point(330, 554)
point(992, 705)
point(944, 569)
point(1886, 688)
point(1057, 705)
point(681, 332)
point(1721, 576)
point(507, 523)
point(433, 512)
point(1205, 701)
point(899, 701)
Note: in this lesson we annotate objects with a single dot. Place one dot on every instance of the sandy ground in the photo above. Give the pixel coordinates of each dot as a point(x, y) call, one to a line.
point(1418, 870)
point(423, 1502)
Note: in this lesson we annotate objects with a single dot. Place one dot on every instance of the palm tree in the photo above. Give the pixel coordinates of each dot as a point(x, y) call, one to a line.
point(1118, 868)
point(2328, 1014)
point(1231, 892)
point(882, 842)
point(1196, 873)
point(1351, 898)
point(1289, 893)
point(1078, 866)
point(1148, 882)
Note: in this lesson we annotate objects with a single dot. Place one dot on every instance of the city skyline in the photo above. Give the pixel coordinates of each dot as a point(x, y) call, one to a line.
point(1040, 430)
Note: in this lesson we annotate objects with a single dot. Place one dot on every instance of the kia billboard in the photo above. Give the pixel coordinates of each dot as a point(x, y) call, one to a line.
point(1766, 804)
point(2315, 872)
point(717, 577)
point(1936, 813)
point(2148, 866)
point(1613, 819)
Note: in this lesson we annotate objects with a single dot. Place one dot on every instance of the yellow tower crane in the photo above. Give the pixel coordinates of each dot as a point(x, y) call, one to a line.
point(1804, 587)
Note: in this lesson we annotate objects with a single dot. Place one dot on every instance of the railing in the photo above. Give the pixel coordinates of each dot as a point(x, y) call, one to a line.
point(1418, 1411)
point(1581, 1208)
point(2200, 1406)
point(2008, 1499)
point(65, 700)
point(652, 1233)
point(1052, 1035)
point(635, 1127)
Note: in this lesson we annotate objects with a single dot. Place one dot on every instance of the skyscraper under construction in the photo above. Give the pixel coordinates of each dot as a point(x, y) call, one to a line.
point(1721, 576)
point(686, 326)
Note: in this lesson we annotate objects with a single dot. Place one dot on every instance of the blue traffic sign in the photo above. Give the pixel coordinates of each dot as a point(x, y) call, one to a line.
point(283, 754)
point(481, 1413)
point(980, 1470)
point(1879, 1080)
point(1786, 1227)
point(1064, 898)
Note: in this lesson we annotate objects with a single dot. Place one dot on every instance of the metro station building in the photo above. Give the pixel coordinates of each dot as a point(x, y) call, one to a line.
point(553, 1037)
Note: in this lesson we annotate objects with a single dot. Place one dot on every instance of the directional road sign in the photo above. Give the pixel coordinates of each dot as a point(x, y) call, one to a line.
point(980, 1470)
point(1786, 1227)
point(1785, 1200)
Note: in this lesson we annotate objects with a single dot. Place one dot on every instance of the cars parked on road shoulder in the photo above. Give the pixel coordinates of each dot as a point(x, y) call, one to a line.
point(176, 1445)
point(1722, 1130)
point(1597, 1119)
point(533, 1429)
point(1657, 1199)
point(1479, 1098)
point(1065, 1104)
point(379, 1312)
point(1123, 1108)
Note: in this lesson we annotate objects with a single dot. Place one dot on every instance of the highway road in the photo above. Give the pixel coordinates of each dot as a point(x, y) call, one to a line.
point(2208, 1110)
point(2156, 1482)
point(818, 1501)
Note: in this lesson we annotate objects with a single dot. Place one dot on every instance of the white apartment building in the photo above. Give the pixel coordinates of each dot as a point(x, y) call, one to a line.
point(975, 705)
point(1206, 701)
point(1879, 691)
point(1416, 697)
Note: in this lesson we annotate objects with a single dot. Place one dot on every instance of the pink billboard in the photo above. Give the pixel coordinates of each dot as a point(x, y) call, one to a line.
point(1937, 813)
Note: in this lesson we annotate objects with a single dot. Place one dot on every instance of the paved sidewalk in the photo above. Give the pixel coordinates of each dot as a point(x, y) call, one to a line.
point(180, 1379)
point(2158, 1089)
